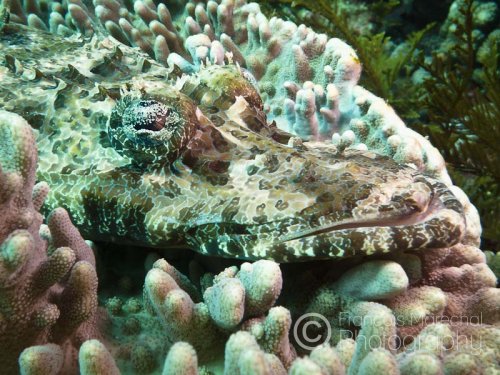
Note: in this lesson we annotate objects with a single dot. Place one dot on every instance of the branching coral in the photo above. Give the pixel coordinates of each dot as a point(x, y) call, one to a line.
point(243, 355)
point(232, 298)
point(95, 359)
point(388, 299)
point(49, 283)
point(382, 65)
point(402, 312)
point(235, 300)
point(181, 359)
point(436, 350)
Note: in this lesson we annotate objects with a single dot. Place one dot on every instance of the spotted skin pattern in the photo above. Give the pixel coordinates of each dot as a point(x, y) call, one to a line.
point(231, 184)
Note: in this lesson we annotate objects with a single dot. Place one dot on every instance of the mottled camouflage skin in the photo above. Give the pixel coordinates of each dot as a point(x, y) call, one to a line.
point(240, 188)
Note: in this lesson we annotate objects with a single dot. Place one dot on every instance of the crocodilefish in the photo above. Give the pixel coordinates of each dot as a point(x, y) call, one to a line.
point(140, 153)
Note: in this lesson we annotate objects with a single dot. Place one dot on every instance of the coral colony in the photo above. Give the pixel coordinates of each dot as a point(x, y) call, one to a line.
point(302, 227)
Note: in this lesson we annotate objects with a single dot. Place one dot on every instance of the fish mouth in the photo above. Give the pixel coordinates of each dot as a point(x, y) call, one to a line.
point(431, 219)
point(437, 222)
point(405, 207)
point(402, 220)
point(413, 212)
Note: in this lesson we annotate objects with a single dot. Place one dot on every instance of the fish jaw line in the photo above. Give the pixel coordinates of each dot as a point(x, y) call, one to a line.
point(418, 208)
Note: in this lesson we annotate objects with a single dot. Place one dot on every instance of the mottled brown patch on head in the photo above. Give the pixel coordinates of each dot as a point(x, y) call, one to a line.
point(265, 185)
point(219, 166)
point(170, 189)
point(325, 197)
point(272, 163)
point(281, 205)
point(217, 120)
point(220, 143)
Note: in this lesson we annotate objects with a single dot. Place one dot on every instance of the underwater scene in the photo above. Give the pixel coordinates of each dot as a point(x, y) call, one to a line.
point(256, 188)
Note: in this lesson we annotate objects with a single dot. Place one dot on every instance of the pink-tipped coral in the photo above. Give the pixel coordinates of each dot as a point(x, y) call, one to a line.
point(48, 283)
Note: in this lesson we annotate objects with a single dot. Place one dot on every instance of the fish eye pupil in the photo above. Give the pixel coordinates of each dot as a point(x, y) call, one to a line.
point(146, 115)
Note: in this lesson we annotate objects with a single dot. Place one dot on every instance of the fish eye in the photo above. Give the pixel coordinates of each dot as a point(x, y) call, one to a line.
point(150, 130)
point(147, 115)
